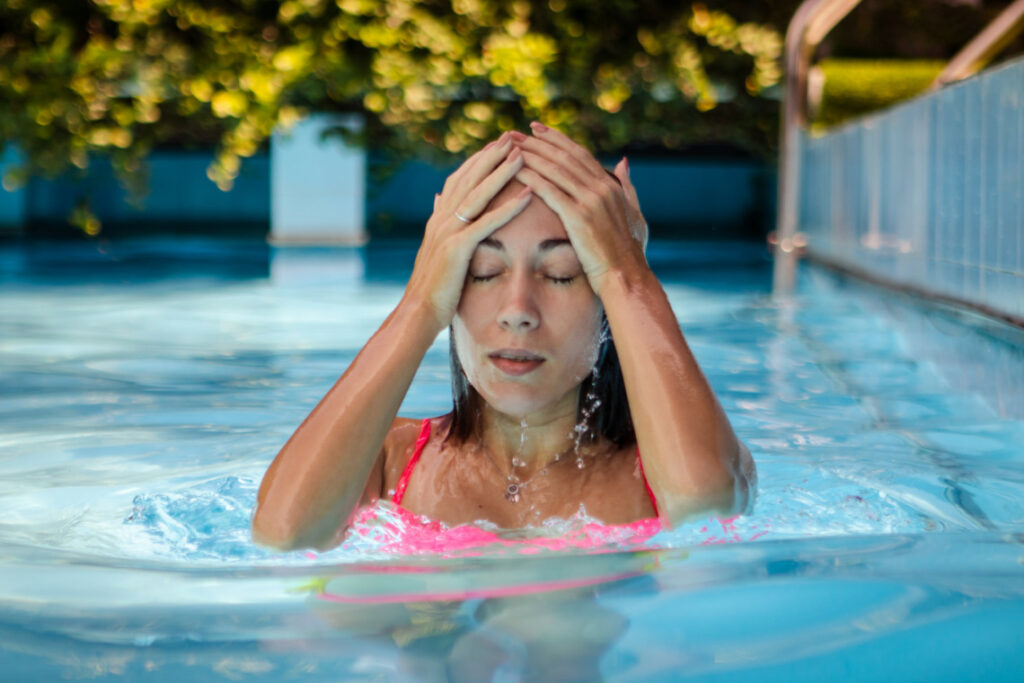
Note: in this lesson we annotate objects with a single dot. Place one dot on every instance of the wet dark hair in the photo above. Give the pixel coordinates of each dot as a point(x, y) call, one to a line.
point(604, 387)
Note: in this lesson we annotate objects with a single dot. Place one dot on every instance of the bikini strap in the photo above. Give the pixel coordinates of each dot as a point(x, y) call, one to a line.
point(403, 481)
point(647, 487)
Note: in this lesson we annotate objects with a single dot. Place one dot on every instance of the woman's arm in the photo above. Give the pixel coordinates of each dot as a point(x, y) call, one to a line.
point(315, 483)
point(691, 456)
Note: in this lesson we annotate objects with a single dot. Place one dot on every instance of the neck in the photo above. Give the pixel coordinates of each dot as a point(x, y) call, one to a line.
point(525, 445)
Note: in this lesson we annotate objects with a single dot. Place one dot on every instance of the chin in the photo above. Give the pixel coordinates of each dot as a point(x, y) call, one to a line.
point(514, 404)
point(520, 400)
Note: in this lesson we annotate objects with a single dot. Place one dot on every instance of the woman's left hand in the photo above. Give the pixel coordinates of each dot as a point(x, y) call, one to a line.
point(601, 215)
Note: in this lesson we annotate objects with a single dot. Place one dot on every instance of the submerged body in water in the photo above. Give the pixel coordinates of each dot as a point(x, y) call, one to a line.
point(566, 357)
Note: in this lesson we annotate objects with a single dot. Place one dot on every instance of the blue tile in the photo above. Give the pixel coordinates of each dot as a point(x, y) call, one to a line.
point(951, 281)
point(930, 192)
point(955, 168)
point(1009, 178)
point(1015, 295)
point(937, 212)
point(991, 178)
point(848, 201)
point(974, 125)
point(1007, 294)
point(1019, 118)
point(972, 283)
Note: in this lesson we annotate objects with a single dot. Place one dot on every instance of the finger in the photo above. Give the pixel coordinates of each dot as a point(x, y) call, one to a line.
point(474, 203)
point(488, 222)
point(562, 141)
point(580, 174)
point(559, 201)
point(637, 223)
point(489, 155)
point(469, 174)
point(557, 156)
point(619, 167)
point(564, 179)
point(622, 173)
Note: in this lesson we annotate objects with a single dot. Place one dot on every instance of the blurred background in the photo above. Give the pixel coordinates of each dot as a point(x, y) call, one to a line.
point(335, 121)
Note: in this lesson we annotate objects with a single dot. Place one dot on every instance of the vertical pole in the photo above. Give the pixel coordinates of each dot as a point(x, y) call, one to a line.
point(808, 27)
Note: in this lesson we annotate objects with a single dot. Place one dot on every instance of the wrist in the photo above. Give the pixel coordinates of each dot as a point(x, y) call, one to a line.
point(625, 280)
point(419, 315)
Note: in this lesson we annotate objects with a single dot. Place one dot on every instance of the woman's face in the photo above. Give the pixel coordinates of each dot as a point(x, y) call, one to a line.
point(528, 323)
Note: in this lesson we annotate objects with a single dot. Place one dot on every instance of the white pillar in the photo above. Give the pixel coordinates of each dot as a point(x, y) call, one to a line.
point(317, 185)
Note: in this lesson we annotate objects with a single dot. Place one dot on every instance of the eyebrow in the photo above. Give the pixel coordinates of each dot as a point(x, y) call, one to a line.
point(546, 245)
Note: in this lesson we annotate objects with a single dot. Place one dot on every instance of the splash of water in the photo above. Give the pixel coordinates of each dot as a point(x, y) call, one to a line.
point(517, 459)
point(590, 405)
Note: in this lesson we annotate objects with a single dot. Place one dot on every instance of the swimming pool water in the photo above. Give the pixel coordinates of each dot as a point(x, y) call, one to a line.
point(145, 386)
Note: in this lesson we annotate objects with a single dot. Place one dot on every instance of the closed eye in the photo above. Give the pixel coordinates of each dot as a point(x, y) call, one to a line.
point(561, 280)
point(482, 278)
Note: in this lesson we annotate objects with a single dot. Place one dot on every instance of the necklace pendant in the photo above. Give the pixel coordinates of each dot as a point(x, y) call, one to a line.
point(512, 493)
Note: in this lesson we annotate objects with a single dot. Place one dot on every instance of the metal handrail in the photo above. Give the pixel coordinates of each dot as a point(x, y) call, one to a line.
point(984, 47)
point(810, 24)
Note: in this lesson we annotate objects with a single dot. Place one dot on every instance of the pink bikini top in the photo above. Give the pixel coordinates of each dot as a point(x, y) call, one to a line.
point(419, 534)
point(424, 437)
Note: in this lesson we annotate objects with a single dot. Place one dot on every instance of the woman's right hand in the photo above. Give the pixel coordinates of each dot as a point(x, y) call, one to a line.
point(449, 241)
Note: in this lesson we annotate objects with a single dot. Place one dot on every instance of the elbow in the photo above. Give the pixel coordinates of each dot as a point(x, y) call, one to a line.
point(731, 491)
point(272, 533)
point(735, 494)
point(280, 534)
point(746, 480)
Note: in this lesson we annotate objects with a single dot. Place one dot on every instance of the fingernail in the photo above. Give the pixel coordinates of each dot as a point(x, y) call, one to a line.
point(626, 161)
point(516, 135)
point(538, 126)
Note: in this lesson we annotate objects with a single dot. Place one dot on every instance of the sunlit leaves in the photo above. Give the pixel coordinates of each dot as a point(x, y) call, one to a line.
point(117, 77)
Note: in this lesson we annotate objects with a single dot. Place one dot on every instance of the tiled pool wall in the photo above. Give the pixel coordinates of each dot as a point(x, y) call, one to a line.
point(928, 194)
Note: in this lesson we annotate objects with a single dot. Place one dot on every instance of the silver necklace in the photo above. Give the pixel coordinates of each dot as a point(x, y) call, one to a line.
point(514, 486)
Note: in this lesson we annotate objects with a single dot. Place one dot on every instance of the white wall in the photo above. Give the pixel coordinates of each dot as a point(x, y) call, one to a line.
point(317, 185)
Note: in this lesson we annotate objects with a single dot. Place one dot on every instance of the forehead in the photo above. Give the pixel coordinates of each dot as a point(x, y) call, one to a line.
point(536, 223)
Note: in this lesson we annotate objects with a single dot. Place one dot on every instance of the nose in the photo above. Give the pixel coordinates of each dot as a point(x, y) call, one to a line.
point(518, 310)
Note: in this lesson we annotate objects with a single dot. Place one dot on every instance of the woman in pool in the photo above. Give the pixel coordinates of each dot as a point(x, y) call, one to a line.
point(533, 253)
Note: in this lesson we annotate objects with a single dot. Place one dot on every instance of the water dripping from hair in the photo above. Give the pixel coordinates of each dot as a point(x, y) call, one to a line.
point(517, 459)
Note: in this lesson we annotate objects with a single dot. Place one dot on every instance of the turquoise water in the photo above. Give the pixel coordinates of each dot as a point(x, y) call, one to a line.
point(145, 386)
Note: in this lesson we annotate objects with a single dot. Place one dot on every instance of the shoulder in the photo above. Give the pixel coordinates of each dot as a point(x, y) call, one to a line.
point(400, 444)
point(403, 431)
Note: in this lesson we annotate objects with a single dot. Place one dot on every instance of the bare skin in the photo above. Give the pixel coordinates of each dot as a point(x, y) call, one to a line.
point(551, 242)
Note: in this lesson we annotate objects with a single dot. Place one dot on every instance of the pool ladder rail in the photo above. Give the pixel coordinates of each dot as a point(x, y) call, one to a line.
point(813, 20)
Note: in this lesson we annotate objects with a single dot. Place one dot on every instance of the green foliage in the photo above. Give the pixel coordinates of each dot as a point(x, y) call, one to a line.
point(120, 77)
point(853, 87)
